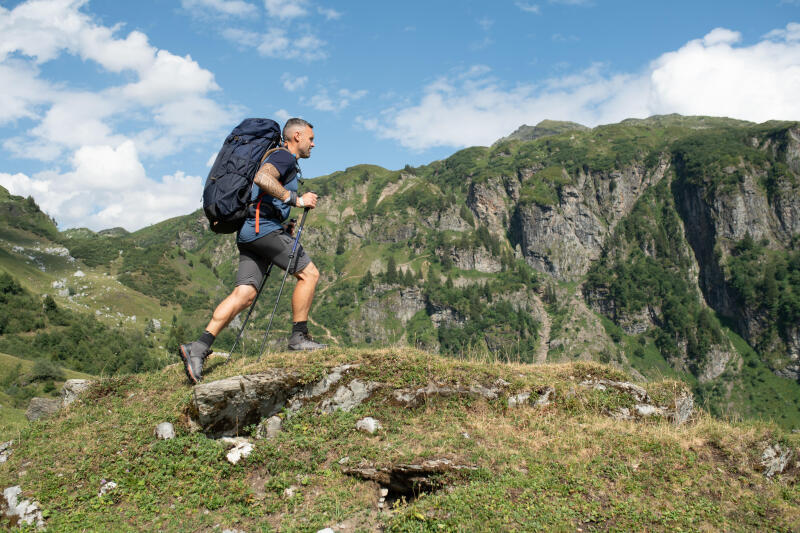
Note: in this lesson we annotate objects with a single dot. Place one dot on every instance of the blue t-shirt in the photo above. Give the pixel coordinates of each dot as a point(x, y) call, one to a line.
point(273, 211)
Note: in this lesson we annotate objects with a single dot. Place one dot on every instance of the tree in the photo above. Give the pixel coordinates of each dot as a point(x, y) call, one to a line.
point(391, 270)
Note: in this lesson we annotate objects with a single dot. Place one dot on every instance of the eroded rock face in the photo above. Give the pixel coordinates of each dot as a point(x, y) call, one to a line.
point(72, 389)
point(415, 397)
point(42, 408)
point(775, 459)
point(563, 239)
point(477, 258)
point(679, 411)
point(223, 408)
point(408, 479)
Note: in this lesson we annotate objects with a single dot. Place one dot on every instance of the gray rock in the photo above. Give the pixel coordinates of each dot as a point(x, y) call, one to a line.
point(645, 410)
point(349, 396)
point(415, 397)
point(240, 448)
point(682, 412)
point(106, 487)
point(368, 425)
point(72, 389)
point(635, 391)
point(5, 451)
point(775, 459)
point(519, 399)
point(21, 512)
point(225, 407)
point(165, 431)
point(42, 408)
point(623, 413)
point(269, 428)
point(545, 397)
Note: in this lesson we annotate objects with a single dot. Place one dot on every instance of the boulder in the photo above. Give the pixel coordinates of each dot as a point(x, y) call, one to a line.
point(21, 512)
point(165, 431)
point(224, 407)
point(775, 459)
point(42, 408)
point(5, 451)
point(349, 396)
point(269, 428)
point(72, 389)
point(368, 425)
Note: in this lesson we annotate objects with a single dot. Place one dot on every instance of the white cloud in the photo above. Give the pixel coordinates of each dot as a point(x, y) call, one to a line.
point(790, 33)
point(162, 100)
point(108, 187)
point(328, 13)
point(485, 23)
point(709, 76)
point(282, 115)
point(276, 43)
point(293, 83)
point(528, 8)
point(236, 8)
point(322, 101)
point(284, 9)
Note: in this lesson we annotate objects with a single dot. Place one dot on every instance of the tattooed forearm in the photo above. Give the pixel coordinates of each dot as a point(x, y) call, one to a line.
point(267, 180)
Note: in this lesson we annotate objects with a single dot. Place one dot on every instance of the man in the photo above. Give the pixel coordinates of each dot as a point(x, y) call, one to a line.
point(262, 240)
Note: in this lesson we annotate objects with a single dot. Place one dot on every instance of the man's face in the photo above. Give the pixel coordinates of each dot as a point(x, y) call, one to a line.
point(305, 142)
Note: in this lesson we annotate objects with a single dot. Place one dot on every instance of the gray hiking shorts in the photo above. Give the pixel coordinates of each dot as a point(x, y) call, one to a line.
point(275, 247)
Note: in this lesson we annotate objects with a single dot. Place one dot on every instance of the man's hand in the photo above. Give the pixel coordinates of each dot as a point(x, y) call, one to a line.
point(309, 200)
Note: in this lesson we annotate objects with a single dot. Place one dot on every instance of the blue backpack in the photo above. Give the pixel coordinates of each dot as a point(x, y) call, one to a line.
point(226, 196)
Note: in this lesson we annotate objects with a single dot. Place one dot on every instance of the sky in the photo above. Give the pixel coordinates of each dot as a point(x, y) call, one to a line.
point(112, 112)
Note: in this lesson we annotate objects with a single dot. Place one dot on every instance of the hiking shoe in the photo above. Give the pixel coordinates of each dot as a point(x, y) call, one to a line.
point(193, 357)
point(303, 341)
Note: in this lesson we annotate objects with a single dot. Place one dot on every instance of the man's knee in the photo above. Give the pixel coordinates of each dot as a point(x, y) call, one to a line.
point(309, 273)
point(244, 295)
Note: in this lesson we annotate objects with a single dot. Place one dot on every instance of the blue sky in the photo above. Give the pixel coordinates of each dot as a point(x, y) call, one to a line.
point(110, 111)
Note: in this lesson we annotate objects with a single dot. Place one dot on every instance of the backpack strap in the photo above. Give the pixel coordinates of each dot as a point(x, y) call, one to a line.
point(261, 196)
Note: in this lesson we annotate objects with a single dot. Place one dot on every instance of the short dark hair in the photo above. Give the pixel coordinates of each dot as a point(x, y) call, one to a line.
point(293, 124)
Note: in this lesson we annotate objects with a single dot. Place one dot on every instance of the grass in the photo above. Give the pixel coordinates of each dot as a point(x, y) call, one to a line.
point(565, 467)
point(12, 417)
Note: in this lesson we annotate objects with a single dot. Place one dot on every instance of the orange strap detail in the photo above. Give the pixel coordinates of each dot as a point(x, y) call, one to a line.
point(258, 210)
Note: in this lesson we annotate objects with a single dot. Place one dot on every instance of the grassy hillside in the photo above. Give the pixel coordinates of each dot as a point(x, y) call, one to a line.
point(436, 257)
point(21, 380)
point(567, 466)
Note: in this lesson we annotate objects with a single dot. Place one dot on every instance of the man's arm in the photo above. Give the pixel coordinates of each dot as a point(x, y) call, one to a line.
point(267, 178)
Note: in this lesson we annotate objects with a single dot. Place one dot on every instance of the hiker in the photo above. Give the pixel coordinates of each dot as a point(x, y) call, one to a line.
point(261, 240)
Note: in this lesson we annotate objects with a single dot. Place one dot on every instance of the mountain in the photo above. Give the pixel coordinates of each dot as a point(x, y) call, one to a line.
point(543, 129)
point(663, 247)
point(453, 445)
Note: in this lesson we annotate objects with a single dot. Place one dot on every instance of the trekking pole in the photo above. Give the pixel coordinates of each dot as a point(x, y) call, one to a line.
point(285, 274)
point(252, 306)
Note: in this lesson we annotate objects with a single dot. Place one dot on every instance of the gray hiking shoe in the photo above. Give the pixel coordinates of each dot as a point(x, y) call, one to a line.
point(304, 342)
point(193, 357)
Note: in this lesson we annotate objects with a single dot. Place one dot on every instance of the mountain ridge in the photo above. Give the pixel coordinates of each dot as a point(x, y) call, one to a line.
point(491, 243)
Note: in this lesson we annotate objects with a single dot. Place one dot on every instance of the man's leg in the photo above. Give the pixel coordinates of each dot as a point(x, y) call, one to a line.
point(302, 297)
point(304, 292)
point(252, 269)
point(240, 299)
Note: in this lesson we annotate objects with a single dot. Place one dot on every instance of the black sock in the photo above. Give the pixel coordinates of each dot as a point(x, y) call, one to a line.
point(300, 327)
point(207, 339)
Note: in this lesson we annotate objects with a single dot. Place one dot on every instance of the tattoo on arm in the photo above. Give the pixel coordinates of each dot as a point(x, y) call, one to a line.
point(267, 179)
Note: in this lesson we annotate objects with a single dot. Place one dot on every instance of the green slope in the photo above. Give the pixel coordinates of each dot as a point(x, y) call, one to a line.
point(567, 466)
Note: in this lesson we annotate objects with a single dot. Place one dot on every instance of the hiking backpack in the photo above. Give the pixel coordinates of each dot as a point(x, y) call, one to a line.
point(226, 195)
